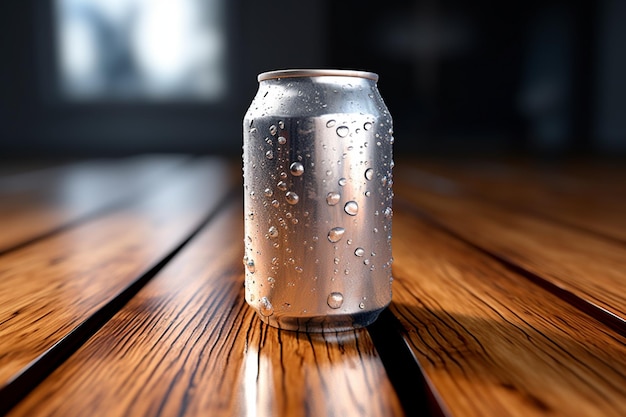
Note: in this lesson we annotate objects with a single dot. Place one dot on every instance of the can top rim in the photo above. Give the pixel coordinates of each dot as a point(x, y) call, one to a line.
point(294, 73)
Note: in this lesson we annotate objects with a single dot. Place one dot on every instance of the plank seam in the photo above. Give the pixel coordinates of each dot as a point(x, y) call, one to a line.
point(463, 190)
point(417, 399)
point(105, 209)
point(34, 373)
point(598, 313)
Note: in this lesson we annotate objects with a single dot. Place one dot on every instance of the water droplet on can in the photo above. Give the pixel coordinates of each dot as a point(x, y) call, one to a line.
point(265, 307)
point(351, 208)
point(282, 185)
point(296, 169)
point(367, 126)
point(330, 123)
point(273, 232)
point(291, 197)
point(268, 192)
point(332, 198)
point(282, 140)
point(359, 251)
point(334, 300)
point(250, 265)
point(342, 131)
point(369, 174)
point(342, 181)
point(273, 130)
point(269, 154)
point(335, 234)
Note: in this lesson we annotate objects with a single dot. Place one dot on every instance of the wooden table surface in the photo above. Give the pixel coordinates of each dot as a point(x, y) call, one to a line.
point(121, 294)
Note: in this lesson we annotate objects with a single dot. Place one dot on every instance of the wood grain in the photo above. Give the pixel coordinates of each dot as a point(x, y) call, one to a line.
point(40, 202)
point(587, 268)
point(493, 344)
point(591, 198)
point(188, 345)
point(50, 288)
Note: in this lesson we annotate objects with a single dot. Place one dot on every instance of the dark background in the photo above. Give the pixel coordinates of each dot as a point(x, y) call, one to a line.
point(459, 78)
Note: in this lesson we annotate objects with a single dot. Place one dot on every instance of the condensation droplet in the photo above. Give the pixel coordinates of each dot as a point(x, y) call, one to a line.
point(361, 305)
point(334, 300)
point(275, 203)
point(342, 131)
point(336, 233)
point(332, 198)
point(367, 194)
point(330, 123)
point(250, 266)
point(282, 185)
point(296, 169)
point(282, 140)
point(273, 130)
point(369, 174)
point(342, 181)
point(269, 154)
point(265, 307)
point(367, 126)
point(291, 197)
point(268, 192)
point(281, 124)
point(359, 251)
point(351, 208)
point(273, 232)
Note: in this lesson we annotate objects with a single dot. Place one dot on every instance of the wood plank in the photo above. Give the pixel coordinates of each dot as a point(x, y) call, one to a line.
point(589, 197)
point(493, 344)
point(188, 345)
point(37, 203)
point(51, 288)
point(582, 267)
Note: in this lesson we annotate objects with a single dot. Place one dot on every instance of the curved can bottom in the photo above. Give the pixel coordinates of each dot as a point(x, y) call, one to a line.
point(325, 323)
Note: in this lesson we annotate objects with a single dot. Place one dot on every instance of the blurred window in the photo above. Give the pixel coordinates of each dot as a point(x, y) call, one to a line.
point(141, 49)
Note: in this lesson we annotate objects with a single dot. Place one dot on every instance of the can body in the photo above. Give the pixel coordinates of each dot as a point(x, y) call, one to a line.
point(317, 168)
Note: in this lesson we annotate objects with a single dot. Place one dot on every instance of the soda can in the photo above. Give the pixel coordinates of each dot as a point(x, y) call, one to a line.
point(317, 170)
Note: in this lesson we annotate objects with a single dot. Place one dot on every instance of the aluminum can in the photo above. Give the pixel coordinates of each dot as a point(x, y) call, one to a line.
point(317, 169)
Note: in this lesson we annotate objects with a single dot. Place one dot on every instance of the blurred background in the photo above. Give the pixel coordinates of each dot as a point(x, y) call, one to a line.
point(81, 78)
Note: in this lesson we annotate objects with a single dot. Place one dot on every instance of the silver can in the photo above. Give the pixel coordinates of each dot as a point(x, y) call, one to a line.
point(317, 169)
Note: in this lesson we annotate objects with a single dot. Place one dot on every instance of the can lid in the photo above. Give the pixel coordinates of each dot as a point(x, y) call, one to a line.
point(292, 73)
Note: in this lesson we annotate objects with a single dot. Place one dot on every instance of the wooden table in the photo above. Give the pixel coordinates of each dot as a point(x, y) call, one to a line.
point(121, 294)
